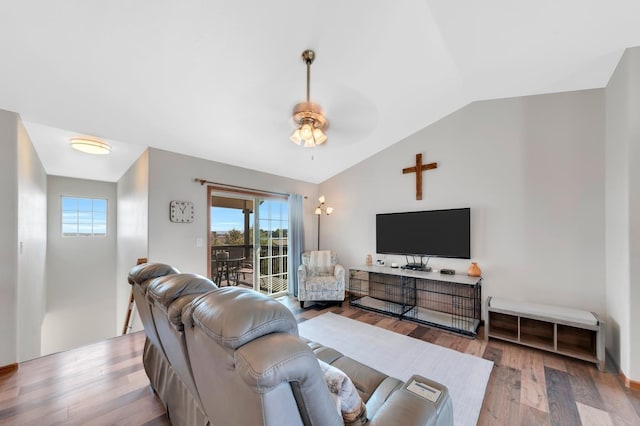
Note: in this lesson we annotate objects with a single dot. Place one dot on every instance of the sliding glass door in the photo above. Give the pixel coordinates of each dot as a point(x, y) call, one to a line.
point(248, 241)
point(231, 239)
point(271, 252)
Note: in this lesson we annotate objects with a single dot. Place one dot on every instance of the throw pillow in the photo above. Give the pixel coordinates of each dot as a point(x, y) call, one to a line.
point(344, 393)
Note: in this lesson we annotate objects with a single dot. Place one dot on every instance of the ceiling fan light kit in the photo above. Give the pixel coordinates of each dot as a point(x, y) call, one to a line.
point(308, 116)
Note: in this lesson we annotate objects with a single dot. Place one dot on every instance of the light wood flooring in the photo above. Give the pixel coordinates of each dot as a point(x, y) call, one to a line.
point(105, 383)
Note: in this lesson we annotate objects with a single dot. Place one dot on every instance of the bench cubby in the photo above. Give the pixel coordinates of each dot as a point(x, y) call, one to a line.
point(571, 332)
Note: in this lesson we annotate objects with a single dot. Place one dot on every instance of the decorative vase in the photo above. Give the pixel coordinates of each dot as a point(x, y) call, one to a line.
point(474, 270)
point(369, 260)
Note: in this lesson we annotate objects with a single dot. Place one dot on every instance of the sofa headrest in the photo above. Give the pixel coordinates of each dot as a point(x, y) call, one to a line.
point(146, 271)
point(174, 313)
point(233, 316)
point(165, 290)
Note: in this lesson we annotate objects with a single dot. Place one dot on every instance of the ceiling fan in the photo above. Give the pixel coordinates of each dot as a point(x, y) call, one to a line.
point(308, 115)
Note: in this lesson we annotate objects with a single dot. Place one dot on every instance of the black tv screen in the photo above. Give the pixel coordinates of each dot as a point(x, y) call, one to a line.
point(437, 233)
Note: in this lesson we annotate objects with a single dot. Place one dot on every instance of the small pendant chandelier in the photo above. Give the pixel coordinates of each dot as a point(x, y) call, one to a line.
point(308, 116)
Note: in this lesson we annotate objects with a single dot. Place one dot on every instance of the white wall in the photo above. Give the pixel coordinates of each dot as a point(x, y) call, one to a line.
point(171, 177)
point(133, 229)
point(32, 247)
point(8, 236)
point(623, 213)
point(23, 212)
point(81, 272)
point(634, 216)
point(532, 171)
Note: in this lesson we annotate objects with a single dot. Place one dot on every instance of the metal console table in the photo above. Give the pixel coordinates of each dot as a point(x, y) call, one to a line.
point(451, 302)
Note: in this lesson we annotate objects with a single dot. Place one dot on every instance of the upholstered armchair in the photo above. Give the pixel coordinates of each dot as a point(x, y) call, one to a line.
point(320, 277)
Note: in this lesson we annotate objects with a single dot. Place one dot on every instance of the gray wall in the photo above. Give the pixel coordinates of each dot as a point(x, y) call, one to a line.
point(8, 237)
point(532, 171)
point(171, 177)
point(144, 194)
point(634, 216)
point(22, 242)
point(623, 213)
point(81, 271)
point(133, 230)
point(32, 247)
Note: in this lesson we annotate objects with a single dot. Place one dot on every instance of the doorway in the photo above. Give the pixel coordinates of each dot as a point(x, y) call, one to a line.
point(248, 240)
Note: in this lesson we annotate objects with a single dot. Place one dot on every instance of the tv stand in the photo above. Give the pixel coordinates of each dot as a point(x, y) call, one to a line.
point(417, 267)
point(451, 302)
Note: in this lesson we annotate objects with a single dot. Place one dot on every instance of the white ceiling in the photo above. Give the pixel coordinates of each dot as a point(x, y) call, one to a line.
point(218, 79)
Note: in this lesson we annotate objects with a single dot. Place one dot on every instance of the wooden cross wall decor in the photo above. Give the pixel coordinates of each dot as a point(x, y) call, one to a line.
point(418, 169)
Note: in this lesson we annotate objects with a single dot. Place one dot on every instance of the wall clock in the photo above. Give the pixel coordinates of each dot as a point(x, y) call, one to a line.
point(181, 211)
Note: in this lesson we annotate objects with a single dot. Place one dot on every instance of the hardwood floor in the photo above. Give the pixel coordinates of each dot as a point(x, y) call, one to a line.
point(105, 383)
point(99, 384)
point(527, 386)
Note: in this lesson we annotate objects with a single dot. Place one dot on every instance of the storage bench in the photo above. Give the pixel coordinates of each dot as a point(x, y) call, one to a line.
point(566, 331)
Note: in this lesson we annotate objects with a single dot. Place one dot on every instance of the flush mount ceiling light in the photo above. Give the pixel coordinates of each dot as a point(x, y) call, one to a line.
point(308, 116)
point(90, 145)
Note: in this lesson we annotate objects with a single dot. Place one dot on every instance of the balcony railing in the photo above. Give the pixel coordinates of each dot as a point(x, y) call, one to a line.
point(273, 280)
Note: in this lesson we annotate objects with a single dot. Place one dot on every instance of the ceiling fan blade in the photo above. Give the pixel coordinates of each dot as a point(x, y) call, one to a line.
point(352, 116)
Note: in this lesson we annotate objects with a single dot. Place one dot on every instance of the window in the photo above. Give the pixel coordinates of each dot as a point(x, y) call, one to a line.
point(84, 217)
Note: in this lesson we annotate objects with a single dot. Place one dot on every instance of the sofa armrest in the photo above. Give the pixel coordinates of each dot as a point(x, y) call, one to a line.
point(302, 273)
point(339, 273)
point(407, 408)
point(302, 281)
point(272, 360)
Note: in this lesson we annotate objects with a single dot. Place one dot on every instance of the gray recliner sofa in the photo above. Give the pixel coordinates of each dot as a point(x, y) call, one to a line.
point(232, 356)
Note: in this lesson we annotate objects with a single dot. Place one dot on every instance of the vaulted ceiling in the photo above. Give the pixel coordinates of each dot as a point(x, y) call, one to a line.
point(218, 79)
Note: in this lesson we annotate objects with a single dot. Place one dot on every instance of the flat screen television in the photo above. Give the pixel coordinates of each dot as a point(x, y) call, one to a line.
point(432, 233)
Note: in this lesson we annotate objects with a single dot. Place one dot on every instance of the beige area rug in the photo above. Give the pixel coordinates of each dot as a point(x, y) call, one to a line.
point(401, 356)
